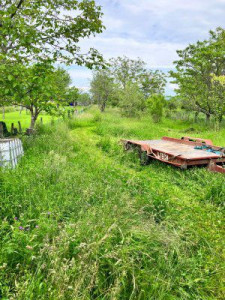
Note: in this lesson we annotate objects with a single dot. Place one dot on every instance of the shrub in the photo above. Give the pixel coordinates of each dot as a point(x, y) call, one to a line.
point(155, 105)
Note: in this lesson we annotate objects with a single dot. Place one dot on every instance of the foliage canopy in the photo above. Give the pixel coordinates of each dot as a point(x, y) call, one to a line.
point(49, 29)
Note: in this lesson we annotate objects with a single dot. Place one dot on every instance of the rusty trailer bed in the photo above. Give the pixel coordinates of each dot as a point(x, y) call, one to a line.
point(182, 152)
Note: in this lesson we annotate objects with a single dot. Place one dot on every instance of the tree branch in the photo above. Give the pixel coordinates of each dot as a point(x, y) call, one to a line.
point(18, 6)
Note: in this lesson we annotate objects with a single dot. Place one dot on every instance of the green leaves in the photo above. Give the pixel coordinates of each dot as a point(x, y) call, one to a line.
point(127, 70)
point(39, 87)
point(155, 105)
point(102, 88)
point(131, 100)
point(196, 67)
point(120, 78)
point(33, 30)
point(153, 82)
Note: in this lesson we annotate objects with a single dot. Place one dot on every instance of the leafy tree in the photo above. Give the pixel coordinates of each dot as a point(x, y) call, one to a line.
point(197, 65)
point(155, 105)
point(73, 95)
point(152, 82)
point(49, 28)
point(218, 96)
point(84, 99)
point(131, 100)
point(173, 102)
point(39, 87)
point(126, 70)
point(42, 32)
point(63, 78)
point(101, 88)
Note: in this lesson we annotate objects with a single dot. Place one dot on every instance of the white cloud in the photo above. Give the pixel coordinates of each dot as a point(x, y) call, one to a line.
point(157, 55)
point(172, 86)
point(79, 73)
point(151, 29)
point(80, 76)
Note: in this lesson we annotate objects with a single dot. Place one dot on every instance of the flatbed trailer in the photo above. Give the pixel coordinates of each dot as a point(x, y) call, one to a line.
point(183, 153)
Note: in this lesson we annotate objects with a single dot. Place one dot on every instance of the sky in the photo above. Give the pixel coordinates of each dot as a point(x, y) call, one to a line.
point(152, 30)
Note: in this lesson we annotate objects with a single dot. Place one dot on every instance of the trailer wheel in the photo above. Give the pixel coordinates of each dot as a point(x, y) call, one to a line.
point(144, 158)
point(127, 146)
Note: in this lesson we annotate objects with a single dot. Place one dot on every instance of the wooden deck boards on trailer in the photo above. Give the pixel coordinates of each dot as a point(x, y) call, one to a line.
point(182, 153)
point(183, 150)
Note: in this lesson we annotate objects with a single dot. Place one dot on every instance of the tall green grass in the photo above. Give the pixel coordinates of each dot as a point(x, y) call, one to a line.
point(24, 118)
point(81, 219)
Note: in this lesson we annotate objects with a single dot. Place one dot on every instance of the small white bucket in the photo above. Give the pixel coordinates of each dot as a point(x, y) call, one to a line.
point(10, 152)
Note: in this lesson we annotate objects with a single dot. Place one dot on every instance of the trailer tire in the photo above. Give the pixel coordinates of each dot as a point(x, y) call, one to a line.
point(144, 158)
point(127, 146)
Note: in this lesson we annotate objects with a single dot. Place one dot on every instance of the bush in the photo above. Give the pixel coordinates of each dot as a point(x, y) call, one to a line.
point(155, 105)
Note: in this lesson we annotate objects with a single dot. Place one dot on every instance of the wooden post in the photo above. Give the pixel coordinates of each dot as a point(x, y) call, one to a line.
point(20, 127)
point(1, 131)
point(12, 128)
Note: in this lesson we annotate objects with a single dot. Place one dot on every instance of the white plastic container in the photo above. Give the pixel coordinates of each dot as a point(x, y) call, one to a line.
point(10, 152)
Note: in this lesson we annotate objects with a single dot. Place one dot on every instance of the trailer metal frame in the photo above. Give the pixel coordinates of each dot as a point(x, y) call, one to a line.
point(182, 153)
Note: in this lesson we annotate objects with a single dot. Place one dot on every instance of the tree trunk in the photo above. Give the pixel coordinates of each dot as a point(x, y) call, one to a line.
point(208, 117)
point(33, 121)
point(34, 116)
point(103, 107)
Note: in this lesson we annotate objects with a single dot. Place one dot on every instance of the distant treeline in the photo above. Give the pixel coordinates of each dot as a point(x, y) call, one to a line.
point(199, 76)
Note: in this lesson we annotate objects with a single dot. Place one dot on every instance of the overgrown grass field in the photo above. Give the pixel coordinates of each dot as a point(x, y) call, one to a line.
point(13, 116)
point(81, 219)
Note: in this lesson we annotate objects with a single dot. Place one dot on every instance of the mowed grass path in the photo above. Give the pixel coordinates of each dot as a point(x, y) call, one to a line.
point(97, 225)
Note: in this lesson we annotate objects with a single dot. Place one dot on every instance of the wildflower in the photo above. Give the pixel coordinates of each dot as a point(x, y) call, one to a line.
point(15, 218)
point(36, 226)
point(21, 228)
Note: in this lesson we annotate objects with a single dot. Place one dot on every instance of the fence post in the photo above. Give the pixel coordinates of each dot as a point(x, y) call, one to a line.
point(1, 130)
point(12, 128)
point(20, 127)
